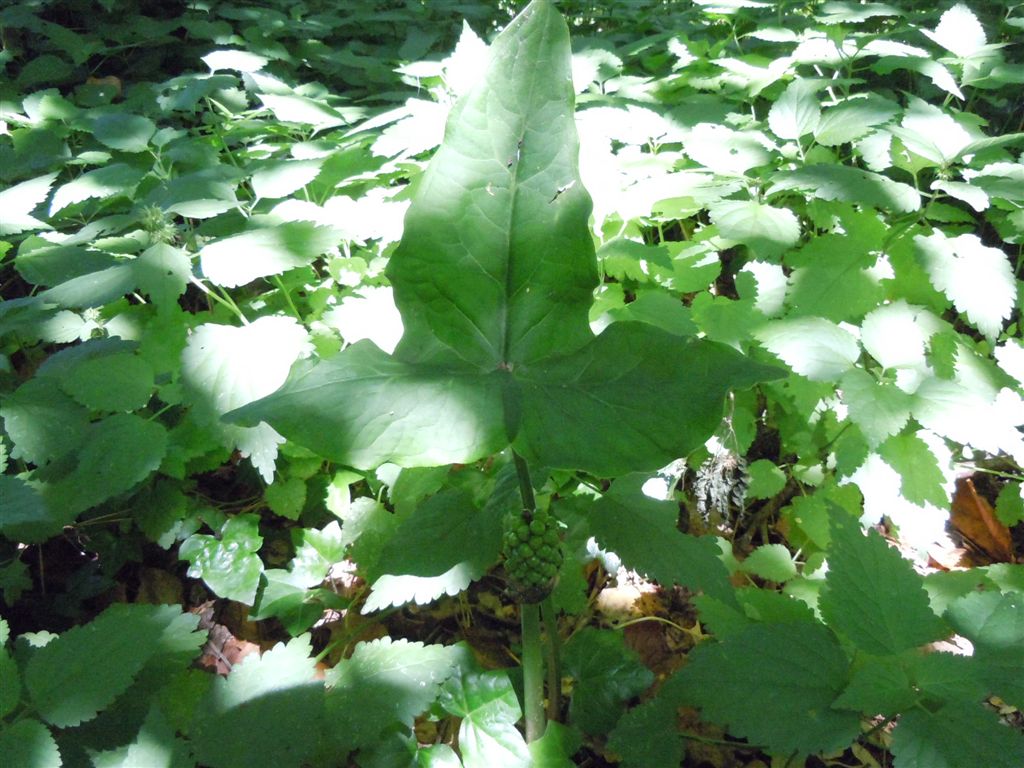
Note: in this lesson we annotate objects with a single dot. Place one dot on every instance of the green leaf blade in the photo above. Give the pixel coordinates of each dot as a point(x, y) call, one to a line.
point(873, 596)
point(496, 263)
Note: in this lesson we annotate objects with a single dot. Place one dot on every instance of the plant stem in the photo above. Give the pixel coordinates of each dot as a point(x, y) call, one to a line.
point(529, 617)
point(547, 609)
point(533, 671)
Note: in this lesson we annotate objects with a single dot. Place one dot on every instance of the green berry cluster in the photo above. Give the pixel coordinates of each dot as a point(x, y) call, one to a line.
point(533, 554)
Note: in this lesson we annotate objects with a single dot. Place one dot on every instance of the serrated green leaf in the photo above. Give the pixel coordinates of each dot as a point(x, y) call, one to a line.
point(252, 716)
point(959, 734)
point(282, 178)
point(155, 746)
point(83, 670)
point(995, 624)
point(772, 562)
point(811, 346)
point(384, 681)
point(872, 595)
point(28, 744)
point(646, 736)
point(110, 181)
point(772, 607)
point(123, 131)
point(163, 271)
point(26, 518)
point(457, 532)
point(725, 151)
point(897, 334)
point(851, 185)
point(118, 382)
point(18, 201)
point(959, 32)
point(878, 408)
point(921, 477)
point(853, 119)
point(766, 479)
point(1010, 504)
point(796, 112)
point(879, 685)
point(43, 422)
point(800, 670)
point(643, 532)
point(286, 498)
point(395, 590)
point(607, 674)
point(224, 367)
point(766, 229)
point(229, 565)
point(10, 679)
point(240, 259)
point(555, 749)
point(976, 278)
point(489, 709)
point(119, 452)
point(832, 280)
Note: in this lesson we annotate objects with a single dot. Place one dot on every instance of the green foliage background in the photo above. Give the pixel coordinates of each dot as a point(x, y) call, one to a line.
point(198, 203)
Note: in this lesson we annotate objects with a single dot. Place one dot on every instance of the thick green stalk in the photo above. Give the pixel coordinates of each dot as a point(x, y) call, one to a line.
point(547, 609)
point(529, 617)
point(533, 671)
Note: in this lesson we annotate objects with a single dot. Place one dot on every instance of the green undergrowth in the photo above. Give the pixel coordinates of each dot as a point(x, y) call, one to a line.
point(717, 292)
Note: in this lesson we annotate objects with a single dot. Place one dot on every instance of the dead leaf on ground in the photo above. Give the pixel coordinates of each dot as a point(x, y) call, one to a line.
point(973, 518)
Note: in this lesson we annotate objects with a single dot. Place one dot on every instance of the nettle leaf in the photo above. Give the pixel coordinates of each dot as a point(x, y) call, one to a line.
point(977, 279)
point(879, 685)
point(224, 367)
point(878, 408)
point(961, 733)
point(633, 736)
point(123, 131)
point(494, 279)
point(767, 230)
point(257, 714)
point(163, 271)
point(811, 346)
point(643, 532)
point(43, 421)
point(117, 382)
point(106, 182)
point(853, 119)
point(489, 709)
point(922, 478)
point(118, 452)
point(831, 279)
point(800, 671)
point(850, 185)
point(384, 681)
point(873, 596)
point(82, 671)
point(994, 623)
point(796, 112)
point(18, 201)
point(607, 674)
point(29, 743)
point(229, 565)
point(240, 259)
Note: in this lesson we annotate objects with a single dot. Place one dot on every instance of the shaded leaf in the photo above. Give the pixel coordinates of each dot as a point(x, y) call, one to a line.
point(607, 674)
point(873, 596)
point(800, 670)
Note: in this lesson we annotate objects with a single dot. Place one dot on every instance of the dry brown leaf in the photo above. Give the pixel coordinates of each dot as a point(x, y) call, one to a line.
point(973, 517)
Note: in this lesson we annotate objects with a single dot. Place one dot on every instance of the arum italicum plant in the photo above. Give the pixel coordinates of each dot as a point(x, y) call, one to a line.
point(493, 278)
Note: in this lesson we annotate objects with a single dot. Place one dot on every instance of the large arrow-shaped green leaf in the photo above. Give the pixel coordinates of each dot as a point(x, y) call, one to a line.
point(494, 279)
